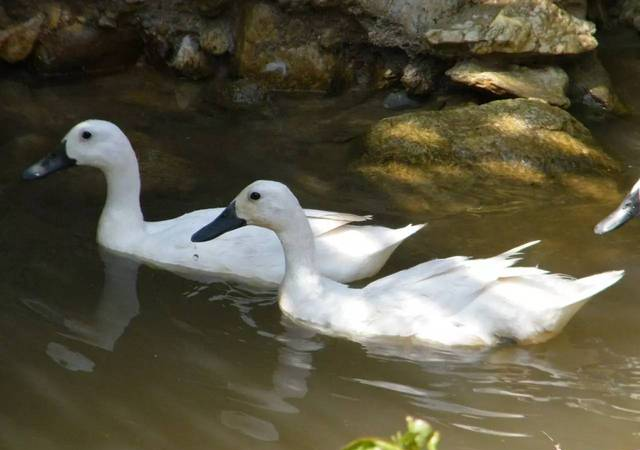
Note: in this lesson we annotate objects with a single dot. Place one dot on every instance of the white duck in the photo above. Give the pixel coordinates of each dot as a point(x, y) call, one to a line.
point(452, 301)
point(627, 210)
point(254, 255)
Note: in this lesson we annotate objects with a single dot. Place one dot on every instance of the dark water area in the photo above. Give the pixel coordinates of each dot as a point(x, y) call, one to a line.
point(98, 353)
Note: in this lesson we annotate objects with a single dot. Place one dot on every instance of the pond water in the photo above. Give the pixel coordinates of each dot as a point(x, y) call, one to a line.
point(98, 353)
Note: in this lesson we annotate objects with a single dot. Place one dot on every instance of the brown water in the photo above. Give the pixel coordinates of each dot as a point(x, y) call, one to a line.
point(96, 353)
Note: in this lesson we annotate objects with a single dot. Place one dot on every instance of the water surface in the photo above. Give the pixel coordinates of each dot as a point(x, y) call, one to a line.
point(98, 353)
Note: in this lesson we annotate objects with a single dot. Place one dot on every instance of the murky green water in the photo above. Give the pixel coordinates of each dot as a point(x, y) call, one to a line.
point(97, 353)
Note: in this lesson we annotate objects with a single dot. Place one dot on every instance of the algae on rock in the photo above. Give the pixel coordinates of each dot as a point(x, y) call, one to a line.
point(497, 137)
point(449, 160)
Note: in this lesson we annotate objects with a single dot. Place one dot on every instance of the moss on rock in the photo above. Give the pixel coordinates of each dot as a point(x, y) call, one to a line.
point(505, 138)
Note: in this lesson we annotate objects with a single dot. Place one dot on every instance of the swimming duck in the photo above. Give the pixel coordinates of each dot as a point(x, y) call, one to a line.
point(627, 210)
point(252, 255)
point(451, 301)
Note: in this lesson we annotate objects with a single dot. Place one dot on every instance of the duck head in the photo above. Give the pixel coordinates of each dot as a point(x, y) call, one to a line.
point(95, 143)
point(267, 204)
point(628, 209)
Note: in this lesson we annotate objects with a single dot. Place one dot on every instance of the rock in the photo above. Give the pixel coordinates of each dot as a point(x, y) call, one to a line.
point(591, 85)
point(239, 95)
point(285, 51)
point(487, 157)
point(464, 28)
point(17, 41)
point(388, 68)
point(398, 100)
point(516, 27)
point(629, 12)
point(546, 83)
point(80, 47)
point(578, 8)
point(190, 60)
point(217, 38)
point(518, 140)
point(209, 8)
point(402, 23)
point(420, 75)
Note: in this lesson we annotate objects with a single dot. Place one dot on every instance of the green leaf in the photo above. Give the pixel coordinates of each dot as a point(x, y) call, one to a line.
point(420, 435)
point(370, 444)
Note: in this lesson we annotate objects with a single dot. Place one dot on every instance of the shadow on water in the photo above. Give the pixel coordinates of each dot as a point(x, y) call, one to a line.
point(98, 353)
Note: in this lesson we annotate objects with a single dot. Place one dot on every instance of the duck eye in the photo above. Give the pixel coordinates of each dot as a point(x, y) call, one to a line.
point(86, 135)
point(255, 196)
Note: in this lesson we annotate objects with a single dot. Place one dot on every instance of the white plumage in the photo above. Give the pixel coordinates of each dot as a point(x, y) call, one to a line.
point(251, 254)
point(451, 301)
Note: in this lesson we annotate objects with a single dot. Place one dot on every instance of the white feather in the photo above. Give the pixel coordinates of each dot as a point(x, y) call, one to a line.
point(250, 254)
point(451, 301)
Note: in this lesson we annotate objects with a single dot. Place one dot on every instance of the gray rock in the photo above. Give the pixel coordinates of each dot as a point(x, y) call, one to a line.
point(546, 83)
point(420, 75)
point(217, 38)
point(591, 85)
point(464, 27)
point(398, 100)
point(190, 60)
point(517, 27)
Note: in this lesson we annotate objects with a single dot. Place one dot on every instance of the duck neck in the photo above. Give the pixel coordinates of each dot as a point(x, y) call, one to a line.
point(301, 274)
point(121, 218)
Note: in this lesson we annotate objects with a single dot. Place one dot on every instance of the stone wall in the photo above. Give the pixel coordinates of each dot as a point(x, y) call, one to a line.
point(316, 45)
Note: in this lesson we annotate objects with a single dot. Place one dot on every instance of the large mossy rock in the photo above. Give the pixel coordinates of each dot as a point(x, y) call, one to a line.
point(473, 155)
point(516, 134)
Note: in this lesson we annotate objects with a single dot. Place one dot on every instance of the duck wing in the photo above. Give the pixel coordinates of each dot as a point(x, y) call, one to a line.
point(324, 221)
point(445, 286)
point(321, 221)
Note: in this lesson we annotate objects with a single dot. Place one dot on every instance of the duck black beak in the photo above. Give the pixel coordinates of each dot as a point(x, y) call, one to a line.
point(53, 162)
point(628, 209)
point(225, 222)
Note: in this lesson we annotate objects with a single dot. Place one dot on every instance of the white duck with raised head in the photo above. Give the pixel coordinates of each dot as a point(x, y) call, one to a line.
point(451, 301)
point(344, 252)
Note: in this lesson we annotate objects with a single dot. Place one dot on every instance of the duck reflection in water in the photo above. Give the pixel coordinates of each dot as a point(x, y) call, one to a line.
point(117, 305)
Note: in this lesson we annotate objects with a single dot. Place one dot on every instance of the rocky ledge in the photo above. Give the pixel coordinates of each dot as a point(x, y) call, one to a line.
point(288, 44)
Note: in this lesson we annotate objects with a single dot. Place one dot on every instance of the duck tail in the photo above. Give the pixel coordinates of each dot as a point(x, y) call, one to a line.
point(402, 233)
point(585, 288)
point(518, 250)
point(589, 286)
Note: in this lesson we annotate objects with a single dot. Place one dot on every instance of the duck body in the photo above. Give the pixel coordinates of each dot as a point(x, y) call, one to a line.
point(451, 301)
point(254, 255)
